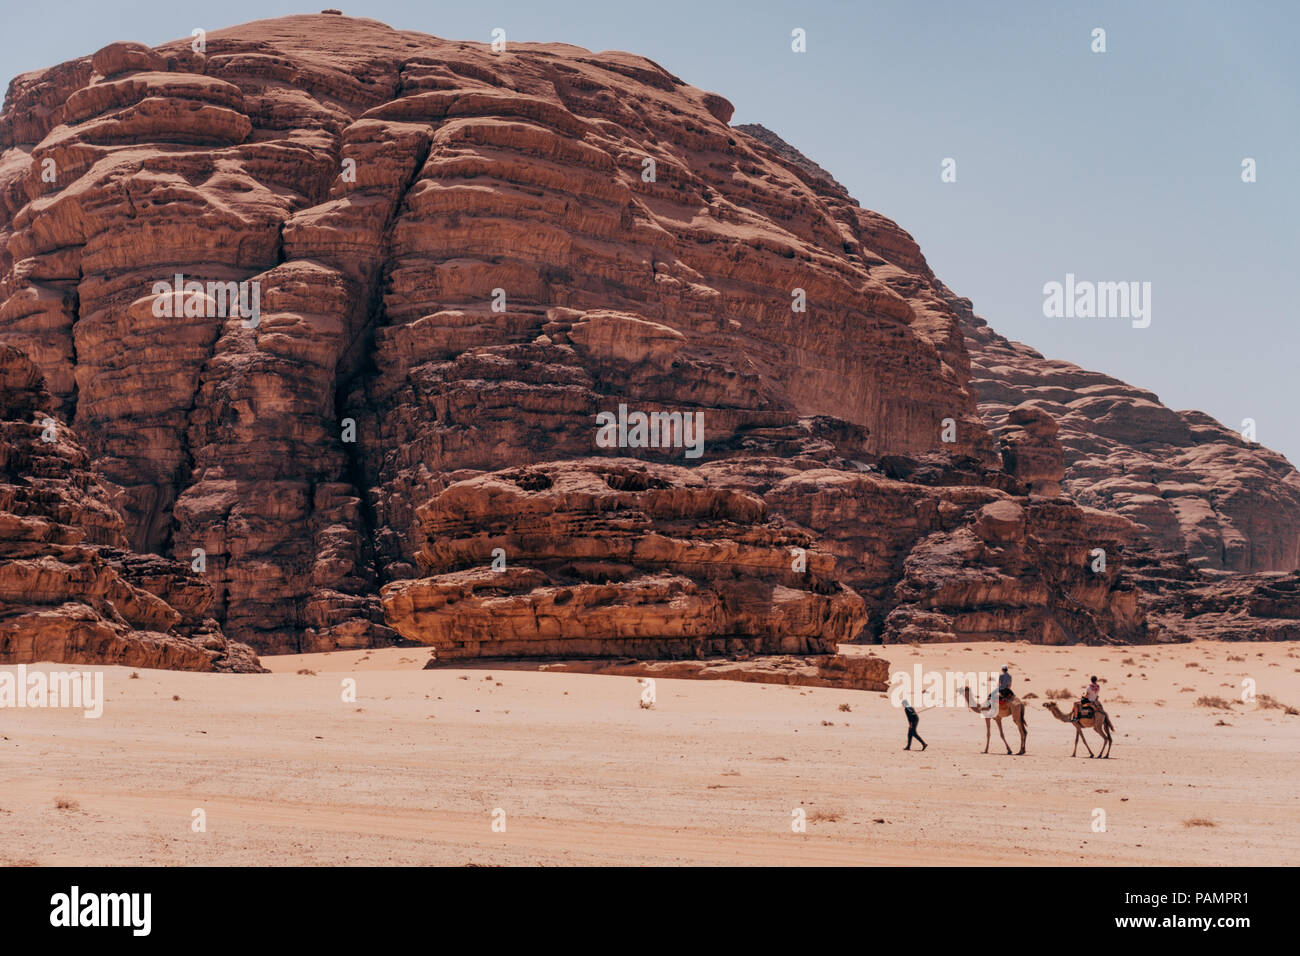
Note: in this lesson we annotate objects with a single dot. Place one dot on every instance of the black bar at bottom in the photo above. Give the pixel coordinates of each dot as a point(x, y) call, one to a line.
point(902, 906)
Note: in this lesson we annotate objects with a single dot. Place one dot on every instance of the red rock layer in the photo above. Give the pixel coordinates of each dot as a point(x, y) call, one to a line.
point(843, 671)
point(962, 561)
point(615, 558)
point(69, 590)
point(1187, 602)
point(601, 558)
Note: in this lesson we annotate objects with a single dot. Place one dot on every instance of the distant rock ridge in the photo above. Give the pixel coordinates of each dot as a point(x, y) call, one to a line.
point(1190, 483)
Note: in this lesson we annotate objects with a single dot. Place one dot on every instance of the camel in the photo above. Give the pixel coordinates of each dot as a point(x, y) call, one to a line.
point(1013, 708)
point(1099, 722)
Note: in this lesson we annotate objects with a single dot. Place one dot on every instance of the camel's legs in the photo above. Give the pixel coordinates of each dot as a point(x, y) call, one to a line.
point(1003, 736)
point(1024, 733)
point(1079, 735)
point(1106, 740)
point(988, 733)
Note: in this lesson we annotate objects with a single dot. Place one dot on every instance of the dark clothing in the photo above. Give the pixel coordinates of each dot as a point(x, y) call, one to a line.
point(912, 721)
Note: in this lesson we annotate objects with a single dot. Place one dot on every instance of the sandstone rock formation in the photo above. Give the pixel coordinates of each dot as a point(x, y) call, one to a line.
point(964, 561)
point(1190, 483)
point(747, 555)
point(614, 558)
point(1193, 602)
point(381, 186)
point(70, 591)
point(459, 259)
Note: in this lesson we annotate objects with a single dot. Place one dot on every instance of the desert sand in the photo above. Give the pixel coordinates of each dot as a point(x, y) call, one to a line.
point(287, 772)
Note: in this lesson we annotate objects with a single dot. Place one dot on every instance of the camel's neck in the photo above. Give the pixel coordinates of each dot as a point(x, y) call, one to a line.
point(1056, 712)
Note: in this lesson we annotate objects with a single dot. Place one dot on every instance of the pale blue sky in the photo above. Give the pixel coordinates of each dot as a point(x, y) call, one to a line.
point(1117, 166)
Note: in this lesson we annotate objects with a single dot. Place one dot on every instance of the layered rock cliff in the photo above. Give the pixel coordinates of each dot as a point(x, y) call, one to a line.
point(611, 557)
point(458, 260)
point(70, 590)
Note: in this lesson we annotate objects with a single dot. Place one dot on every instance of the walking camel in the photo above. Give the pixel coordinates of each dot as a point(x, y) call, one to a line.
point(1012, 707)
point(1099, 722)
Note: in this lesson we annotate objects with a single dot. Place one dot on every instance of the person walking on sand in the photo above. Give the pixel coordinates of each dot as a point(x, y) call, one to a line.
point(912, 721)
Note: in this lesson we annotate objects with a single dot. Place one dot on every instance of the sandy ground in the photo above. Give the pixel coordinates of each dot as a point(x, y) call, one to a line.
point(287, 772)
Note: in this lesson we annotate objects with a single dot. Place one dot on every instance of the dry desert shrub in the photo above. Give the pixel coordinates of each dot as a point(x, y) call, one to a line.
point(1218, 703)
point(63, 803)
point(307, 670)
point(827, 816)
point(1269, 702)
point(1061, 694)
point(845, 707)
point(1199, 822)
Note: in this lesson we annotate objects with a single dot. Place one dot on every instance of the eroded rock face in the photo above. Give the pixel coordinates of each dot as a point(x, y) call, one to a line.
point(1191, 484)
point(616, 558)
point(1188, 602)
point(1249, 607)
point(967, 562)
point(70, 592)
point(1031, 451)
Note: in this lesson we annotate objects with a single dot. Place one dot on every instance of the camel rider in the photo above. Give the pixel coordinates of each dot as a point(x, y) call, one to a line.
point(1090, 703)
point(1004, 684)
